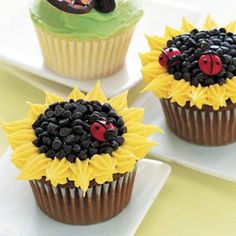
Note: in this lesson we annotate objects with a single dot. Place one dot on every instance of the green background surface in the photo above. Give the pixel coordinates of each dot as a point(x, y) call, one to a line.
point(190, 204)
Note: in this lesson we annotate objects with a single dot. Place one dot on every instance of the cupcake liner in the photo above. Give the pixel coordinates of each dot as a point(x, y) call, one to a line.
point(205, 126)
point(91, 59)
point(69, 205)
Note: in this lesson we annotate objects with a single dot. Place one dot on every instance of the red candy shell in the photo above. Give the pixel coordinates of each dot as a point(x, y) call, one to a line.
point(210, 64)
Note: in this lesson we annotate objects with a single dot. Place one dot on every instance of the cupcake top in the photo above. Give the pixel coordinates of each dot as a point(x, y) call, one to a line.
point(87, 19)
point(81, 139)
point(194, 66)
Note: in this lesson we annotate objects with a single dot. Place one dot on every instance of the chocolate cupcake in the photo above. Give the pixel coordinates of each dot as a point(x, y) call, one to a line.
point(193, 72)
point(80, 154)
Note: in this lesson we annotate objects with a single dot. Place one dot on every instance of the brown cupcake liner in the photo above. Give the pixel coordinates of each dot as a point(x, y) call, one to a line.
point(71, 206)
point(205, 127)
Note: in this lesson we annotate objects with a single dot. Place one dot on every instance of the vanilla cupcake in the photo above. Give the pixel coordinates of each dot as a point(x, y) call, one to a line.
point(80, 154)
point(193, 72)
point(84, 39)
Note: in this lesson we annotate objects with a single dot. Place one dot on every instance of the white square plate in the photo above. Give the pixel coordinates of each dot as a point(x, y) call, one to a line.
point(19, 45)
point(21, 217)
point(216, 161)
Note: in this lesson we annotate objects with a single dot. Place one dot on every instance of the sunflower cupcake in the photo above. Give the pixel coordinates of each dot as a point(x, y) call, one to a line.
point(84, 39)
point(193, 72)
point(80, 154)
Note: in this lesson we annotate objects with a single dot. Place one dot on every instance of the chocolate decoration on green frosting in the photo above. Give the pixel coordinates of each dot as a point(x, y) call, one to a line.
point(105, 6)
point(73, 6)
point(84, 6)
point(78, 129)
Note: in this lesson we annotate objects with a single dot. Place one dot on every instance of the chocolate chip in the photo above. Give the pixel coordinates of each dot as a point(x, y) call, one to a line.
point(60, 154)
point(50, 153)
point(226, 59)
point(76, 148)
point(43, 148)
point(64, 132)
point(47, 141)
point(120, 140)
point(106, 107)
point(82, 109)
point(77, 129)
point(52, 128)
point(56, 144)
point(38, 131)
point(83, 155)
point(70, 139)
point(64, 122)
point(49, 113)
point(67, 148)
point(86, 144)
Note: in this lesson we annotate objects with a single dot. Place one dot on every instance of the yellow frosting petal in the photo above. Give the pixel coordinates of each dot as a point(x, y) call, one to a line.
point(96, 94)
point(15, 126)
point(143, 130)
point(152, 71)
point(139, 145)
point(179, 92)
point(186, 26)
point(103, 168)
point(209, 23)
point(21, 137)
point(35, 110)
point(198, 96)
point(76, 94)
point(34, 168)
point(125, 160)
point(156, 42)
point(230, 87)
point(149, 57)
point(231, 27)
point(80, 174)
point(23, 153)
point(132, 115)
point(52, 98)
point(217, 96)
point(58, 171)
point(171, 32)
point(119, 102)
point(160, 85)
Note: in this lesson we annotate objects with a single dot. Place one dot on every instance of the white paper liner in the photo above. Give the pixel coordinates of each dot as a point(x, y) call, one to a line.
point(90, 59)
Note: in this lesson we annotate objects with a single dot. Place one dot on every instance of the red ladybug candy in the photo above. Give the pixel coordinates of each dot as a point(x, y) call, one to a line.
point(210, 64)
point(99, 128)
point(167, 54)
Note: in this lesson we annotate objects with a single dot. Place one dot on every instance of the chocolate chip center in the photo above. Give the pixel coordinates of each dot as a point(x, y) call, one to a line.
point(64, 130)
point(196, 43)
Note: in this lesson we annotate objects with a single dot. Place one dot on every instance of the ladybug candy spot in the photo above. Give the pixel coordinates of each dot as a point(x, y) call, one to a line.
point(167, 54)
point(210, 64)
point(102, 130)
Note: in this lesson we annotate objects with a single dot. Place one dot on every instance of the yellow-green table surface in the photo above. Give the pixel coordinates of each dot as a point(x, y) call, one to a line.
point(190, 204)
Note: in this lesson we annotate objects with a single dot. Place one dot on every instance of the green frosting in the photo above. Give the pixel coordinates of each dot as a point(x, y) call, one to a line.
point(92, 25)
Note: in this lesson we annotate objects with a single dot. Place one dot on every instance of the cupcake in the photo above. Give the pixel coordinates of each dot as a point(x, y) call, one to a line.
point(80, 154)
point(193, 73)
point(84, 39)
